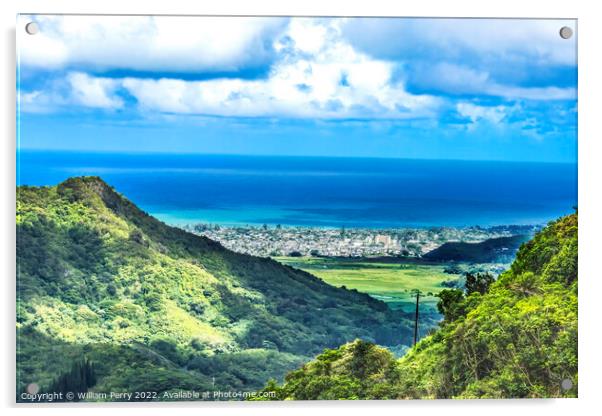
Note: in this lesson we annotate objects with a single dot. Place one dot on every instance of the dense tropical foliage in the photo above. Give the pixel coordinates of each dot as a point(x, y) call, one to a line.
point(154, 308)
point(515, 337)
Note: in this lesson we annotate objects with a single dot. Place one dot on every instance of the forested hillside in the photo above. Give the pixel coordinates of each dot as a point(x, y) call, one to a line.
point(516, 338)
point(500, 250)
point(148, 307)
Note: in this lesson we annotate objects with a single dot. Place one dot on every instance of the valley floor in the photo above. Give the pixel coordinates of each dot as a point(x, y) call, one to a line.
point(393, 281)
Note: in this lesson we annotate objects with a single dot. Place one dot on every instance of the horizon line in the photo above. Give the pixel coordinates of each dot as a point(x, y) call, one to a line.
point(171, 153)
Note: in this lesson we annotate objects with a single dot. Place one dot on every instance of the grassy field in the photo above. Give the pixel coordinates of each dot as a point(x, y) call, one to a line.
point(389, 282)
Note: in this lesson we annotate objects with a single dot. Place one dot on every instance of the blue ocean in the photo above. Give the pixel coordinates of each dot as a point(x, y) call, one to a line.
point(320, 191)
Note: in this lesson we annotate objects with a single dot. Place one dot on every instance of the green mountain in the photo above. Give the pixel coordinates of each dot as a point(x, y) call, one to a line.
point(517, 339)
point(111, 299)
point(500, 250)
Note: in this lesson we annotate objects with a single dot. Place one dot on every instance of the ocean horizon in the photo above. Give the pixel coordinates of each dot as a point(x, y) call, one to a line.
point(319, 191)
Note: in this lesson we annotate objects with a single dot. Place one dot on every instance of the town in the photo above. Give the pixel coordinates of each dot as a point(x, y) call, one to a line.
point(274, 241)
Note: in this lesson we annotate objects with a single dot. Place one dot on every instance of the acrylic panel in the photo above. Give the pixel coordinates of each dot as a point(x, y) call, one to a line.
point(295, 208)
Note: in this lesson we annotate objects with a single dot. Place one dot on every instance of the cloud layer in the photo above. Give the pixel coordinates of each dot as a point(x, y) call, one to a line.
point(316, 74)
point(146, 43)
point(451, 72)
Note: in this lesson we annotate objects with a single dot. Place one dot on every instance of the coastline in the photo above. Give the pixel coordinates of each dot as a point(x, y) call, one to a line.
point(280, 240)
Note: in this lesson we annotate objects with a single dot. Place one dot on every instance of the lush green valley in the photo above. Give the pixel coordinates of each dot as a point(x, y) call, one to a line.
point(393, 282)
point(154, 308)
point(515, 337)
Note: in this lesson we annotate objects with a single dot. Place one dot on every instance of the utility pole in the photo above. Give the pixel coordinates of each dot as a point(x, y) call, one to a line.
point(416, 317)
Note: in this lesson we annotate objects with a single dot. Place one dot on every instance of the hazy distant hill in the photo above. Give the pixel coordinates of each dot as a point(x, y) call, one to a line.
point(519, 339)
point(155, 308)
point(501, 249)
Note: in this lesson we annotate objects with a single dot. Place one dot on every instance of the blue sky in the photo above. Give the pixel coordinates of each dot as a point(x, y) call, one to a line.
point(407, 88)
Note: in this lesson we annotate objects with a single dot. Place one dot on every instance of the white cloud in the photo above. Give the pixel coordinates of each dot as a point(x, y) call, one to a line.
point(146, 43)
point(93, 91)
point(501, 119)
point(475, 112)
point(459, 79)
point(319, 68)
point(316, 76)
point(76, 89)
point(495, 57)
point(454, 78)
point(530, 41)
point(38, 101)
point(531, 93)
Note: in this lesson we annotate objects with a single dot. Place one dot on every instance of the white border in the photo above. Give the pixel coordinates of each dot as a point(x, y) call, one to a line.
point(590, 71)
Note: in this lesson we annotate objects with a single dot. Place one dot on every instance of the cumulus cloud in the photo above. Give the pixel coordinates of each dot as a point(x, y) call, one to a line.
point(94, 92)
point(513, 40)
point(458, 79)
point(515, 119)
point(495, 114)
point(318, 67)
point(317, 74)
point(510, 58)
point(147, 43)
point(76, 89)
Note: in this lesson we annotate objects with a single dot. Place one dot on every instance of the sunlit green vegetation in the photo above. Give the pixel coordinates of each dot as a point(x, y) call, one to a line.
point(152, 307)
point(515, 337)
point(392, 283)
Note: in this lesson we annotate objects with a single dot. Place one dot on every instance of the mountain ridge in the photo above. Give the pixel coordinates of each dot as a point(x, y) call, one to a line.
point(97, 277)
point(498, 249)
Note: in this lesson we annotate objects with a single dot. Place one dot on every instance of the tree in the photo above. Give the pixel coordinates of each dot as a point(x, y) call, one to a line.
point(478, 282)
point(79, 379)
point(451, 304)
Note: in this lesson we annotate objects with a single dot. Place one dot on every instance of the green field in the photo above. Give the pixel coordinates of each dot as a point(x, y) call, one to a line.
point(390, 282)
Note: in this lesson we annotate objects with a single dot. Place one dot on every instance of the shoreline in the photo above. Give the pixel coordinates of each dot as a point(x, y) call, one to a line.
point(283, 226)
point(283, 241)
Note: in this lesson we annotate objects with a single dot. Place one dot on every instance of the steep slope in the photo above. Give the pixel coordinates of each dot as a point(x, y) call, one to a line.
point(517, 340)
point(156, 308)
